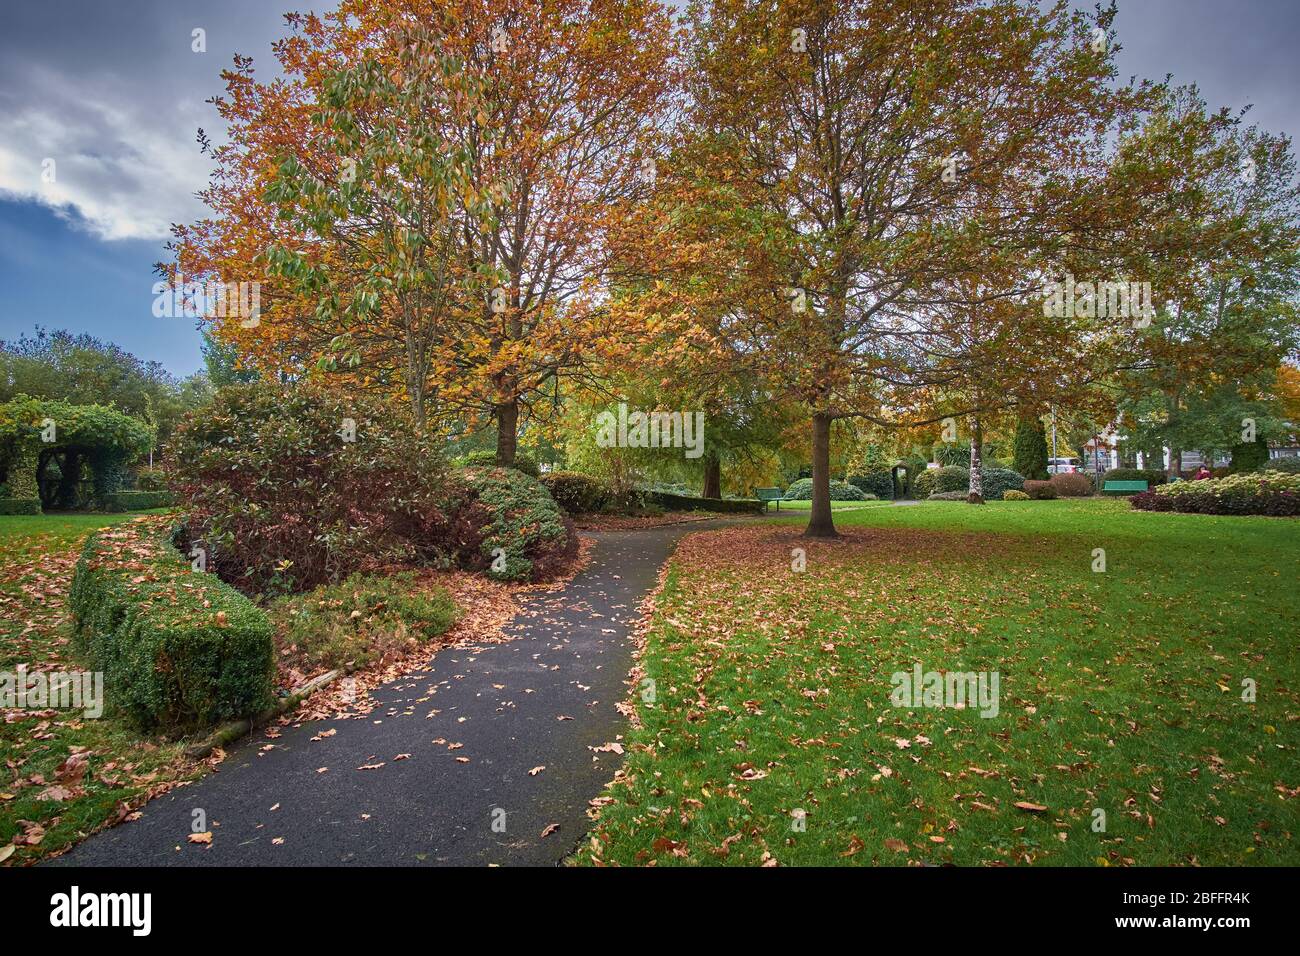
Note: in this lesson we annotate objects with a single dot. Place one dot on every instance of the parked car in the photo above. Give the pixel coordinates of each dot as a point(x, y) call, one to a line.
point(1062, 466)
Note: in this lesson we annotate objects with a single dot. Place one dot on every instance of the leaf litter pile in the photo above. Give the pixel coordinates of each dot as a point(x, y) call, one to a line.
point(771, 738)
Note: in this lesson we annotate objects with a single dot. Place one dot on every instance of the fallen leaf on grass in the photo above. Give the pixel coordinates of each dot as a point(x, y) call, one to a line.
point(1030, 807)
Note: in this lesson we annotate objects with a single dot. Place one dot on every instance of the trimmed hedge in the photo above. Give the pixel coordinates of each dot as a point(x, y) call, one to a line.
point(934, 481)
point(1270, 493)
point(1290, 466)
point(1072, 485)
point(671, 502)
point(138, 500)
point(1041, 490)
point(877, 483)
point(802, 489)
point(488, 459)
point(20, 506)
point(180, 650)
point(577, 493)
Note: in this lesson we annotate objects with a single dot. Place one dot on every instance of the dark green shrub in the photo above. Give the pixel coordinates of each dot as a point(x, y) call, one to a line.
point(288, 487)
point(1249, 456)
point(577, 493)
point(998, 481)
point(934, 481)
point(508, 525)
point(672, 502)
point(137, 500)
point(1072, 485)
point(877, 483)
point(361, 619)
point(20, 506)
point(488, 459)
point(180, 650)
point(802, 489)
point(1290, 466)
point(947, 454)
point(1040, 490)
point(1031, 448)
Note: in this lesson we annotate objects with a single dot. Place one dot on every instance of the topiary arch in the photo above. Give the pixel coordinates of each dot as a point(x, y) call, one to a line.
point(47, 447)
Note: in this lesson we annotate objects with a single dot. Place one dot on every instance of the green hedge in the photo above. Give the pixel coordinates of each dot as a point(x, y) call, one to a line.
point(20, 506)
point(577, 493)
point(488, 459)
point(180, 650)
point(802, 490)
point(671, 502)
point(137, 500)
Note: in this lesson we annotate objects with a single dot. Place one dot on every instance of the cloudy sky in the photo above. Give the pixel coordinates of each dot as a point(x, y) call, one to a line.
point(113, 93)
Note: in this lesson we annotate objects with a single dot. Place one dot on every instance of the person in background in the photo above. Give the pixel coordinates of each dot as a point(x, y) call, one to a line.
point(1201, 474)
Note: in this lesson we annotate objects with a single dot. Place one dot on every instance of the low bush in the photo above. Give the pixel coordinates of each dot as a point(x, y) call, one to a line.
point(488, 459)
point(934, 481)
point(948, 496)
point(1072, 485)
point(180, 650)
point(1041, 490)
point(1248, 493)
point(998, 481)
point(1015, 495)
point(802, 489)
point(577, 493)
point(360, 620)
point(508, 525)
point(671, 502)
point(20, 506)
point(289, 487)
point(137, 500)
point(879, 484)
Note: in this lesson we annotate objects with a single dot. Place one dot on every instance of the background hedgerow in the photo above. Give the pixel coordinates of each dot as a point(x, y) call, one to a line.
point(879, 484)
point(504, 508)
point(361, 619)
point(282, 501)
point(801, 490)
point(179, 649)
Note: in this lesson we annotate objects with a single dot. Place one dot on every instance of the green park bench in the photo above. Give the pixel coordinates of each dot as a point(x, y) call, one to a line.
point(768, 495)
point(1123, 487)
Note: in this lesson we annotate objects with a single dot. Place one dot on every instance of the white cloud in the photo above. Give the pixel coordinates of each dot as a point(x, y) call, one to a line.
point(124, 168)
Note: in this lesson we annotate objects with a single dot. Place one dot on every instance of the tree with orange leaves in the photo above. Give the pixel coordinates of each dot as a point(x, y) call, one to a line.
point(571, 95)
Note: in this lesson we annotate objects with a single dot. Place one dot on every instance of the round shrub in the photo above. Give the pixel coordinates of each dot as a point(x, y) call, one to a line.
point(508, 525)
point(1072, 485)
point(1014, 495)
point(1040, 490)
point(802, 489)
point(998, 481)
point(577, 493)
point(287, 488)
point(934, 481)
point(878, 484)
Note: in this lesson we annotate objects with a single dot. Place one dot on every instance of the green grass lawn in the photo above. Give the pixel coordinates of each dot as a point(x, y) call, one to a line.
point(47, 801)
point(771, 736)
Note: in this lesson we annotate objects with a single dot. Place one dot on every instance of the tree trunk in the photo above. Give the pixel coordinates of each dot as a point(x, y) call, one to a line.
point(821, 524)
point(507, 441)
point(976, 495)
point(712, 476)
